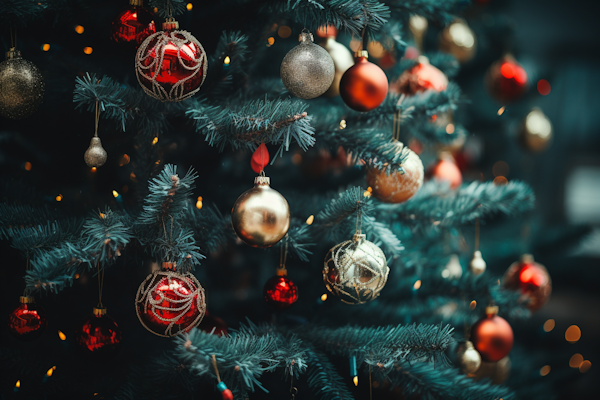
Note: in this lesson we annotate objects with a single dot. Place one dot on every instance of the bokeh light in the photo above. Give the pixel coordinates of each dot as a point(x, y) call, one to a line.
point(27, 166)
point(501, 168)
point(310, 220)
point(189, 6)
point(46, 47)
point(79, 29)
point(284, 32)
point(545, 370)
point(88, 50)
point(573, 334)
point(543, 87)
point(585, 366)
point(450, 129)
point(549, 325)
point(576, 360)
point(500, 180)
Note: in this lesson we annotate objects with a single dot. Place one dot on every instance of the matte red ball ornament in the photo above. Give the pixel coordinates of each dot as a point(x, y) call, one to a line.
point(28, 321)
point(260, 158)
point(506, 80)
point(99, 335)
point(169, 303)
point(492, 336)
point(364, 86)
point(532, 279)
point(446, 170)
point(280, 292)
point(420, 78)
point(133, 25)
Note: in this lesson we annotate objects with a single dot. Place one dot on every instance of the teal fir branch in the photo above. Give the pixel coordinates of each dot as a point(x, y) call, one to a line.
point(168, 8)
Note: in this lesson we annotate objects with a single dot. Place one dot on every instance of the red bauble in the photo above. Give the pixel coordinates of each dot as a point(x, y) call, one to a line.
point(420, 78)
point(214, 325)
point(532, 279)
point(169, 303)
point(280, 292)
point(445, 170)
point(28, 321)
point(492, 336)
point(132, 25)
point(364, 86)
point(260, 158)
point(506, 80)
point(99, 335)
point(171, 65)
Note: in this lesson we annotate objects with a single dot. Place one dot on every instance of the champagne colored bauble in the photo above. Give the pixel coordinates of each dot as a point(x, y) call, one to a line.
point(133, 25)
point(341, 56)
point(506, 80)
point(95, 155)
point(492, 336)
point(307, 70)
point(459, 40)
point(169, 303)
point(99, 335)
point(420, 78)
point(452, 270)
point(397, 187)
point(498, 371)
point(355, 271)
point(28, 321)
point(532, 279)
point(468, 358)
point(536, 131)
point(280, 292)
point(446, 170)
point(364, 86)
point(261, 215)
point(171, 65)
point(477, 265)
point(21, 86)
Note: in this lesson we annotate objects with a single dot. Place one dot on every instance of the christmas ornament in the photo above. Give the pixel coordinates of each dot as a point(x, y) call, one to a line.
point(95, 155)
point(171, 64)
point(536, 131)
point(532, 279)
point(307, 70)
point(418, 26)
point(397, 186)
point(225, 392)
point(169, 303)
point(364, 86)
point(468, 358)
point(506, 80)
point(445, 170)
point(355, 270)
point(280, 292)
point(28, 321)
point(260, 158)
point(452, 270)
point(477, 264)
point(459, 40)
point(99, 335)
point(498, 372)
point(492, 336)
point(133, 25)
point(213, 324)
point(341, 56)
point(261, 215)
point(423, 76)
point(21, 86)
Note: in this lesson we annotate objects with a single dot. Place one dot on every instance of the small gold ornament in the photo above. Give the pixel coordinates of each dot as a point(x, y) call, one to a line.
point(459, 40)
point(95, 155)
point(468, 358)
point(498, 371)
point(397, 187)
point(21, 86)
point(536, 131)
point(356, 270)
point(477, 264)
point(341, 56)
point(261, 215)
point(453, 269)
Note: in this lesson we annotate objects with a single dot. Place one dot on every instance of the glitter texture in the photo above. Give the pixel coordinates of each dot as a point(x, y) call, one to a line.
point(21, 86)
point(95, 155)
point(396, 187)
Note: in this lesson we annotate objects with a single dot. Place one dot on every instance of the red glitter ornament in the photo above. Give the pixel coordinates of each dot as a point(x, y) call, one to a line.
point(28, 321)
point(420, 78)
point(213, 324)
point(280, 292)
point(133, 25)
point(169, 303)
point(260, 158)
point(506, 80)
point(492, 336)
point(99, 335)
point(532, 279)
point(364, 86)
point(445, 170)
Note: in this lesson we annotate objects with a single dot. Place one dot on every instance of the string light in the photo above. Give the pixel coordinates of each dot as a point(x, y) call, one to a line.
point(585, 366)
point(284, 32)
point(271, 41)
point(27, 166)
point(501, 110)
point(324, 297)
point(50, 371)
point(115, 193)
point(155, 140)
point(93, 169)
point(309, 221)
point(343, 124)
point(545, 370)
point(199, 203)
point(417, 285)
point(76, 276)
point(573, 334)
point(576, 360)
point(59, 197)
point(473, 305)
point(88, 50)
point(46, 47)
point(227, 60)
point(549, 325)
point(124, 160)
point(355, 380)
point(79, 29)
point(62, 336)
point(189, 6)
point(450, 129)
point(18, 384)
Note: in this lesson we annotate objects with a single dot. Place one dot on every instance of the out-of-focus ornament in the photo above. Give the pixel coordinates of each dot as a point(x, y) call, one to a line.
point(341, 56)
point(171, 64)
point(261, 215)
point(133, 25)
point(468, 358)
point(477, 265)
point(445, 170)
point(492, 336)
point(28, 321)
point(452, 270)
point(364, 86)
point(355, 270)
point(169, 303)
point(226, 394)
point(498, 371)
point(99, 335)
point(95, 155)
point(280, 292)
point(400, 185)
point(260, 158)
point(307, 70)
point(418, 26)
point(213, 324)
point(423, 76)
point(532, 279)
point(506, 80)
point(536, 131)
point(21, 86)
point(459, 40)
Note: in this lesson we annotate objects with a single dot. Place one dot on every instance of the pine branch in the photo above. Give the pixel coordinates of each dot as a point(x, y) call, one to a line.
point(323, 378)
point(106, 234)
point(168, 8)
point(439, 10)
point(346, 205)
point(16, 217)
point(43, 237)
point(212, 229)
point(179, 246)
point(300, 240)
point(221, 78)
point(18, 13)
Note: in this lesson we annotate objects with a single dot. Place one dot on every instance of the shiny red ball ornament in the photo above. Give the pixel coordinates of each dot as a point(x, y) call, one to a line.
point(133, 25)
point(492, 336)
point(260, 158)
point(420, 78)
point(446, 170)
point(213, 324)
point(280, 292)
point(99, 335)
point(532, 279)
point(506, 80)
point(28, 321)
point(364, 86)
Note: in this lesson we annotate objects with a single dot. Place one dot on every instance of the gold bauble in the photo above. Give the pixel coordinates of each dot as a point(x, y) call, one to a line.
point(95, 155)
point(261, 215)
point(397, 187)
point(459, 40)
point(342, 60)
point(355, 270)
point(468, 358)
point(498, 371)
point(477, 264)
point(536, 131)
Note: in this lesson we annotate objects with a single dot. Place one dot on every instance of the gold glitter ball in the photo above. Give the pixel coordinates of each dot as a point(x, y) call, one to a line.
point(21, 86)
point(95, 155)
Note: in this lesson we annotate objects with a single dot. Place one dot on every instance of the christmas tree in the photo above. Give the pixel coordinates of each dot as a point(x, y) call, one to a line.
point(203, 206)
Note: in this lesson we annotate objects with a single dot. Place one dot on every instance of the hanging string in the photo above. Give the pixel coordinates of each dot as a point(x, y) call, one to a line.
point(13, 37)
point(359, 219)
point(214, 363)
point(100, 284)
point(283, 254)
point(476, 233)
point(97, 119)
point(293, 390)
point(370, 384)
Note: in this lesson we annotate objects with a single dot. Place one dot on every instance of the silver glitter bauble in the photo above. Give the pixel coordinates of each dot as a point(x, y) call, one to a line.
point(477, 264)
point(468, 358)
point(21, 86)
point(355, 270)
point(95, 155)
point(307, 70)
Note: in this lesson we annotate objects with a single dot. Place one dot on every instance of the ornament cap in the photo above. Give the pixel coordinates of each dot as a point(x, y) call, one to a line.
point(361, 53)
point(306, 37)
point(26, 299)
point(13, 53)
point(138, 3)
point(423, 60)
point(262, 181)
point(169, 265)
point(170, 24)
point(490, 311)
point(359, 237)
point(527, 259)
point(469, 345)
point(281, 272)
point(99, 311)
